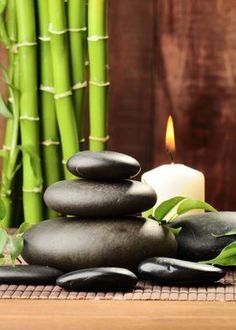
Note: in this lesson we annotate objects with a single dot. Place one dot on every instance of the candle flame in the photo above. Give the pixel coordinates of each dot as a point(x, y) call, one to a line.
point(170, 136)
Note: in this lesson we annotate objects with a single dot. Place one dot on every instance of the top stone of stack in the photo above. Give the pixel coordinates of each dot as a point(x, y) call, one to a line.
point(103, 166)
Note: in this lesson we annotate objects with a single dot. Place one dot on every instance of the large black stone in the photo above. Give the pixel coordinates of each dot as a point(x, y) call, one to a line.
point(28, 274)
point(106, 278)
point(103, 165)
point(72, 243)
point(171, 271)
point(195, 240)
point(96, 199)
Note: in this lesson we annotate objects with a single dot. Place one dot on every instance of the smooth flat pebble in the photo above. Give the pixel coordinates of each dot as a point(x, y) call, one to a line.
point(196, 240)
point(28, 274)
point(172, 271)
point(74, 243)
point(99, 199)
point(103, 165)
point(102, 278)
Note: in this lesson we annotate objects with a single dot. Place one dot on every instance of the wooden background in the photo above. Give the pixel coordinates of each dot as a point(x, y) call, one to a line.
point(176, 57)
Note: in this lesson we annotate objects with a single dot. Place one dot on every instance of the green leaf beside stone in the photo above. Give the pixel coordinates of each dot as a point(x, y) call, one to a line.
point(175, 231)
point(3, 240)
point(193, 204)
point(14, 247)
point(227, 256)
point(24, 227)
point(164, 208)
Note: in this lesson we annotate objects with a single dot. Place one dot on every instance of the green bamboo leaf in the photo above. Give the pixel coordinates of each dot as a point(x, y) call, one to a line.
point(229, 233)
point(227, 256)
point(164, 208)
point(13, 172)
point(192, 204)
point(3, 4)
point(34, 161)
point(4, 70)
point(3, 210)
point(24, 227)
point(3, 240)
point(4, 111)
point(14, 247)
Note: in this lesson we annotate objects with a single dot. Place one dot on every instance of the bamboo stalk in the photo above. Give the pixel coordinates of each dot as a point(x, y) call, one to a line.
point(29, 120)
point(77, 37)
point(9, 164)
point(49, 127)
point(61, 75)
point(98, 89)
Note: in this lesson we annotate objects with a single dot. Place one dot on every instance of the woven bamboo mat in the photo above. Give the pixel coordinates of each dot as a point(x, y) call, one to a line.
point(225, 290)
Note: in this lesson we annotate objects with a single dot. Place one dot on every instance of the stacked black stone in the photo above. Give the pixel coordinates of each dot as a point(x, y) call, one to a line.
point(104, 188)
point(105, 236)
point(104, 242)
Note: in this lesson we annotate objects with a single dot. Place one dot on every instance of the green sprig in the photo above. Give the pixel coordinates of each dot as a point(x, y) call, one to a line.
point(180, 205)
point(227, 256)
point(11, 246)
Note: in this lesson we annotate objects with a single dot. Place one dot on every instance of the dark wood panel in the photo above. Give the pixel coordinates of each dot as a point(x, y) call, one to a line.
point(131, 91)
point(196, 79)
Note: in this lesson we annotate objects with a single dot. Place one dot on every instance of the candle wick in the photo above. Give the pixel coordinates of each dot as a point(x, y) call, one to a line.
point(171, 156)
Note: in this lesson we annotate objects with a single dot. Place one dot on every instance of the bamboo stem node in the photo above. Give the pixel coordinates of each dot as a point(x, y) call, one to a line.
point(99, 84)
point(6, 193)
point(97, 38)
point(34, 190)
point(48, 143)
point(79, 85)
point(30, 118)
point(82, 29)
point(44, 38)
point(58, 32)
point(49, 89)
point(61, 95)
point(7, 148)
point(100, 139)
point(26, 44)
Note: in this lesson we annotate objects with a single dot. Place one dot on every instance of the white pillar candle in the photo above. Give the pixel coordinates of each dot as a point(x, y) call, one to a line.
point(172, 180)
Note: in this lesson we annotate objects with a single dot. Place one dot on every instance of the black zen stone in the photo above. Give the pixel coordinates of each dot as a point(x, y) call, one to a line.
point(103, 165)
point(73, 243)
point(28, 274)
point(95, 279)
point(196, 241)
point(171, 271)
point(98, 199)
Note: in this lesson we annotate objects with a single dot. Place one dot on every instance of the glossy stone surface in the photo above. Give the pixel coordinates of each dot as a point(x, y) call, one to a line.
point(94, 279)
point(103, 165)
point(195, 240)
point(97, 199)
point(73, 243)
point(28, 274)
point(171, 271)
